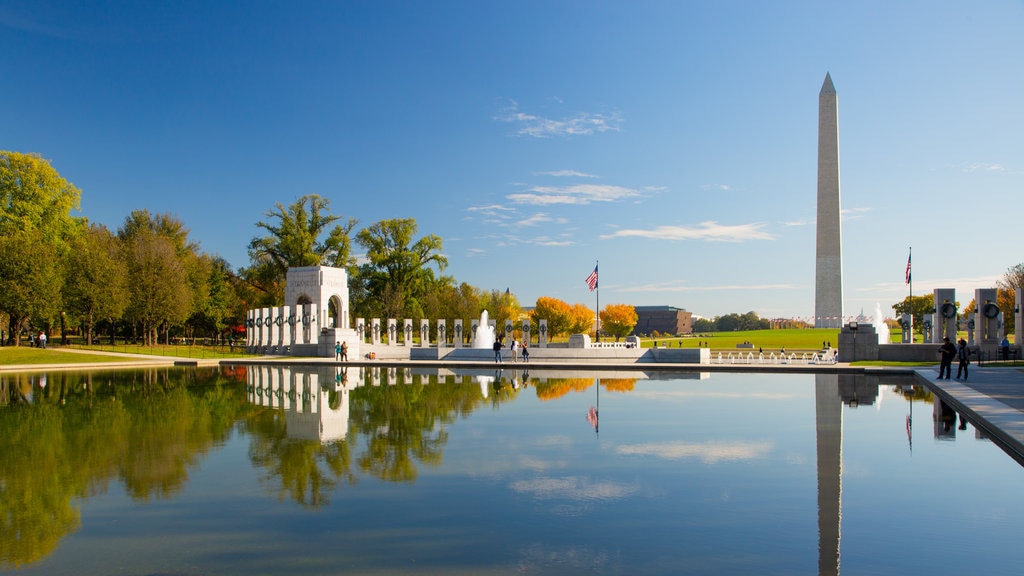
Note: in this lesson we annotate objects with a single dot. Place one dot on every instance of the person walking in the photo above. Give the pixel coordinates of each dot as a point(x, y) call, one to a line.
point(948, 351)
point(964, 356)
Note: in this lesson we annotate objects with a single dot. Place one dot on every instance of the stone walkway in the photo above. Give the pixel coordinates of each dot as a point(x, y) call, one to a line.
point(991, 398)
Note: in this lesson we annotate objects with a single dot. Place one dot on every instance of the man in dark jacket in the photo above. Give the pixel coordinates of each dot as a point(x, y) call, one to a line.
point(948, 351)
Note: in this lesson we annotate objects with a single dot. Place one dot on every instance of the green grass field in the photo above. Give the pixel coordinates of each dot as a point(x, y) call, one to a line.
point(10, 355)
point(792, 339)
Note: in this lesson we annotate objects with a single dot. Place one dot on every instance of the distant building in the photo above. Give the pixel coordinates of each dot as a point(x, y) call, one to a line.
point(663, 319)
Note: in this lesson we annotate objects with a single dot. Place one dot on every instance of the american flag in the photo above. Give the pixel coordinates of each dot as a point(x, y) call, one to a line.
point(592, 280)
point(908, 270)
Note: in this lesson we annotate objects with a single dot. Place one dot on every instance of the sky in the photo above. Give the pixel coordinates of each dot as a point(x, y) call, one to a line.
point(671, 143)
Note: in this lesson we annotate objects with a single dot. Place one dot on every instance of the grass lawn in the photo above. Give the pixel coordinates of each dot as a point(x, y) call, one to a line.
point(792, 339)
point(172, 350)
point(10, 355)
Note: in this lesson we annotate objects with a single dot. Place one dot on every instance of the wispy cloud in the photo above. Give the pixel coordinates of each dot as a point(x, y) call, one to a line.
point(572, 488)
point(853, 213)
point(983, 167)
point(563, 173)
point(709, 231)
point(709, 452)
point(582, 124)
point(579, 194)
point(540, 218)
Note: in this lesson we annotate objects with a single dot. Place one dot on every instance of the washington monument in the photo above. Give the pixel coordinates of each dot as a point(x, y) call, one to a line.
point(828, 277)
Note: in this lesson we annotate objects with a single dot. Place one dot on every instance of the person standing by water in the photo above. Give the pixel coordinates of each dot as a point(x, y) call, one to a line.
point(948, 351)
point(337, 350)
point(344, 351)
point(514, 347)
point(526, 358)
point(497, 350)
point(964, 356)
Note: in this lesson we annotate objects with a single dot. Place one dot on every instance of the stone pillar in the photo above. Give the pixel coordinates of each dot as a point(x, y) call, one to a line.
point(926, 331)
point(986, 330)
point(526, 332)
point(907, 329)
point(392, 331)
point(265, 332)
point(945, 314)
point(509, 329)
point(442, 334)
point(473, 324)
point(457, 338)
point(407, 332)
point(361, 330)
point(375, 327)
point(972, 324)
point(1018, 317)
point(425, 333)
point(542, 334)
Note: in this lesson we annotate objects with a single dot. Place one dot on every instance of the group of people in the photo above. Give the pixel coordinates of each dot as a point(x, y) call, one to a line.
point(341, 351)
point(516, 347)
point(948, 351)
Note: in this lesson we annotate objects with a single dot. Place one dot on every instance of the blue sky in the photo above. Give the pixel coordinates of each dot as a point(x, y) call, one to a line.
point(675, 142)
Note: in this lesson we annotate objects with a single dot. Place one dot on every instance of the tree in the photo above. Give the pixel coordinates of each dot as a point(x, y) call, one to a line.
point(581, 319)
point(33, 196)
point(397, 268)
point(36, 227)
point(1007, 286)
point(920, 306)
point(30, 281)
point(303, 234)
point(96, 283)
point(618, 320)
point(556, 312)
point(160, 292)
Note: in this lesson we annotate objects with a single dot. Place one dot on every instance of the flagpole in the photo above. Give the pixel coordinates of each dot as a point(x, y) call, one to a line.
point(597, 312)
point(910, 283)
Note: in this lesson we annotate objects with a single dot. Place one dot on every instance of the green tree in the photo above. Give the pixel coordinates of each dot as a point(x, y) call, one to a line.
point(96, 283)
point(33, 196)
point(36, 227)
point(159, 291)
point(303, 234)
point(397, 275)
point(918, 307)
point(618, 320)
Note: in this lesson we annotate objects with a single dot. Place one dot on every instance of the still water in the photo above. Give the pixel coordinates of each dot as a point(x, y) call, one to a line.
point(289, 470)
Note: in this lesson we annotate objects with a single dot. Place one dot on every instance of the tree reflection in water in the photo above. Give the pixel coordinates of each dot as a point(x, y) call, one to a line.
point(67, 435)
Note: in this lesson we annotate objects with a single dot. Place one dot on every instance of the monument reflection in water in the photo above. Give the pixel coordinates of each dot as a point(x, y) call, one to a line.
point(328, 470)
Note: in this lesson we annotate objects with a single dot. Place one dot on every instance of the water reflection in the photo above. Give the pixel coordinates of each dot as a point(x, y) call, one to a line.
point(313, 434)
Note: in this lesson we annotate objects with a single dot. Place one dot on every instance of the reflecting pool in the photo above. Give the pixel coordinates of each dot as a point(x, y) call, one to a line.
point(322, 470)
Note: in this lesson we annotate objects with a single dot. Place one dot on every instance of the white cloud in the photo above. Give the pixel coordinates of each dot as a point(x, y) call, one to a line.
point(584, 123)
point(562, 173)
point(536, 219)
point(853, 213)
point(709, 452)
point(983, 167)
point(572, 488)
point(709, 231)
point(580, 194)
